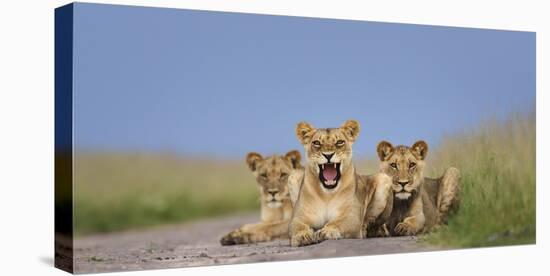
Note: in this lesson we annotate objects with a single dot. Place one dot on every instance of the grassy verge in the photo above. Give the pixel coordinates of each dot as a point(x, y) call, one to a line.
point(122, 191)
point(497, 163)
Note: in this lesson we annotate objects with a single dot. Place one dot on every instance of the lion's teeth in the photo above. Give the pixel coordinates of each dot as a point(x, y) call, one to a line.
point(323, 166)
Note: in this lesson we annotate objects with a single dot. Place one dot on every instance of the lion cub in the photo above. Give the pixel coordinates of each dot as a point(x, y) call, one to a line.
point(419, 203)
point(330, 198)
point(271, 174)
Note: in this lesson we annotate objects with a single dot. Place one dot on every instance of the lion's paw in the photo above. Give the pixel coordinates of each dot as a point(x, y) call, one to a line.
point(303, 238)
point(378, 232)
point(366, 228)
point(404, 229)
point(383, 231)
point(327, 233)
point(364, 231)
point(235, 237)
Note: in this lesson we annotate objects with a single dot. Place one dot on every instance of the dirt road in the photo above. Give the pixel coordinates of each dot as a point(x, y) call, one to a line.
point(197, 244)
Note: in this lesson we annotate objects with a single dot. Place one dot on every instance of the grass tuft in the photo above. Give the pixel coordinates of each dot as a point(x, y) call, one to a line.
point(497, 164)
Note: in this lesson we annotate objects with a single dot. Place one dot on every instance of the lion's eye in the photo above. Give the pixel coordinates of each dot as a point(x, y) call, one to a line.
point(284, 175)
point(263, 175)
point(340, 143)
point(393, 165)
point(316, 143)
point(412, 165)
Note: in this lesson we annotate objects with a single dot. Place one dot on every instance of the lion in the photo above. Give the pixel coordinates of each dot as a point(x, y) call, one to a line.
point(272, 175)
point(420, 204)
point(330, 199)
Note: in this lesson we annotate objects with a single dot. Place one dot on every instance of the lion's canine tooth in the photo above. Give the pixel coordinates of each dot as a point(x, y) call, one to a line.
point(323, 166)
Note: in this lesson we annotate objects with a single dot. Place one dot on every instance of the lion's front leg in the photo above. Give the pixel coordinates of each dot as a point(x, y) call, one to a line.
point(414, 223)
point(347, 226)
point(258, 232)
point(236, 237)
point(328, 232)
point(301, 234)
point(378, 208)
point(410, 225)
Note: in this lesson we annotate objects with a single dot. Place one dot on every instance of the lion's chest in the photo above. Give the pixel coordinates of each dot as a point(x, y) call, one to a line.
point(327, 211)
point(275, 214)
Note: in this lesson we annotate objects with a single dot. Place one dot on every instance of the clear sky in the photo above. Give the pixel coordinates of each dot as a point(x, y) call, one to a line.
point(223, 84)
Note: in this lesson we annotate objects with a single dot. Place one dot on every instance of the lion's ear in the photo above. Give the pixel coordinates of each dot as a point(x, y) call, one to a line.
point(252, 160)
point(294, 157)
point(304, 132)
point(384, 150)
point(420, 149)
point(351, 129)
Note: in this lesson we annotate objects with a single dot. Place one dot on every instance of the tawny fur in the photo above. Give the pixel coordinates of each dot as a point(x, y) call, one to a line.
point(419, 204)
point(272, 174)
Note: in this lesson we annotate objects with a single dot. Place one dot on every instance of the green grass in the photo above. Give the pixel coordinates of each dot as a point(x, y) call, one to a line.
point(497, 164)
point(125, 190)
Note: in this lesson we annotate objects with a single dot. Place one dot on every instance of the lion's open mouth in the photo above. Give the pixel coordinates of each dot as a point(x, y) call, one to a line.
point(329, 174)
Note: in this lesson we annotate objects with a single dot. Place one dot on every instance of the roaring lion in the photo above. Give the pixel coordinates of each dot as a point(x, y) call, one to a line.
point(420, 203)
point(331, 201)
point(272, 175)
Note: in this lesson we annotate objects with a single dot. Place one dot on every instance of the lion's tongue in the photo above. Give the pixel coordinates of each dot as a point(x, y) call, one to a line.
point(329, 173)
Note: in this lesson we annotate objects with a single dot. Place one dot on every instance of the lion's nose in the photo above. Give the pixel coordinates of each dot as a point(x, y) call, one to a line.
point(403, 183)
point(272, 192)
point(328, 156)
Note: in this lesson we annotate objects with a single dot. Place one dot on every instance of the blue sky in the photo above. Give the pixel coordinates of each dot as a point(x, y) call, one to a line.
point(223, 84)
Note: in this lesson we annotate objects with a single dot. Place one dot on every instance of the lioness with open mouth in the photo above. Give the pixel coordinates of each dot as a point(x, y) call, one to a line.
point(332, 200)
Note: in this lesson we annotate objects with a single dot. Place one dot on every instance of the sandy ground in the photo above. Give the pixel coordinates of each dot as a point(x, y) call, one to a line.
point(197, 244)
